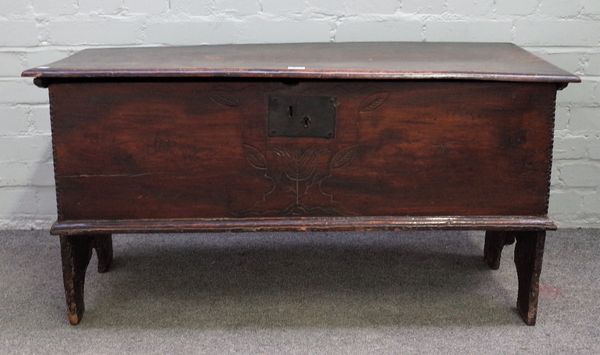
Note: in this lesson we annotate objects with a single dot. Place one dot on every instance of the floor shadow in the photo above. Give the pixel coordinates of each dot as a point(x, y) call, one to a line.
point(297, 280)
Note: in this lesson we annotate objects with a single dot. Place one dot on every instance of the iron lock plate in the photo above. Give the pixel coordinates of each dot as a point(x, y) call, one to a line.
point(301, 116)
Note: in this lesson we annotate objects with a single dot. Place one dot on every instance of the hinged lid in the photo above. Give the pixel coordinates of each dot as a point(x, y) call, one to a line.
point(369, 60)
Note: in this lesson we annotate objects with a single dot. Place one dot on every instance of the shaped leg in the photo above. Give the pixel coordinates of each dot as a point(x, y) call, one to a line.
point(494, 243)
point(104, 250)
point(76, 252)
point(529, 252)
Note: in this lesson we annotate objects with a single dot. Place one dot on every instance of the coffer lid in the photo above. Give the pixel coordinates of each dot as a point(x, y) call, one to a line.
point(358, 60)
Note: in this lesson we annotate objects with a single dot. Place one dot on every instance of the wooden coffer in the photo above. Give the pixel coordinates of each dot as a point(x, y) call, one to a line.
point(349, 136)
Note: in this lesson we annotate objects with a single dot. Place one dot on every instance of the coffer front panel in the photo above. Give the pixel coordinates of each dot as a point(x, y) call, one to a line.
point(203, 149)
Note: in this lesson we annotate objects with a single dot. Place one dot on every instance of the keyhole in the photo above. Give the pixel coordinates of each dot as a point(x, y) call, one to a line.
point(306, 120)
point(291, 112)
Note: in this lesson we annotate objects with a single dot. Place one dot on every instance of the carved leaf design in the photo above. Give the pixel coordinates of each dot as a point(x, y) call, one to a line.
point(373, 102)
point(255, 157)
point(224, 100)
point(299, 173)
point(343, 157)
point(280, 153)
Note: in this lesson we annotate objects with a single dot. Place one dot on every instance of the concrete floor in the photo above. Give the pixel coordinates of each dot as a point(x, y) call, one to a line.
point(419, 292)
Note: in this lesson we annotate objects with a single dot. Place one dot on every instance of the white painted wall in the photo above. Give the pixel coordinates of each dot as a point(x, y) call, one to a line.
point(35, 32)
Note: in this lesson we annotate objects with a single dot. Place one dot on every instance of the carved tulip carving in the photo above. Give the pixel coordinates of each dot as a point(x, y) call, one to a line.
point(299, 173)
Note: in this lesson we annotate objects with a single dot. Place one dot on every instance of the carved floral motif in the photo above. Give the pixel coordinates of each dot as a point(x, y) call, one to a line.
point(297, 176)
point(299, 173)
point(373, 102)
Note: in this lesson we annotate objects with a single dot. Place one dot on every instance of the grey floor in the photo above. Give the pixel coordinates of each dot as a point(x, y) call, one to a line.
point(420, 292)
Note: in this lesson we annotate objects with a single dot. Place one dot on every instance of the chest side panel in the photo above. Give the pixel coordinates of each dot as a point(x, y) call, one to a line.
point(192, 149)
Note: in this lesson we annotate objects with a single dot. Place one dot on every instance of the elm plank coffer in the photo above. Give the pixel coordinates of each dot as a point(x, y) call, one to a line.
point(303, 137)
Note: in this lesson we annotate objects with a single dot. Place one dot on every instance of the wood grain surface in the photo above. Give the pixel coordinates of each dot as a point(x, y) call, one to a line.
point(367, 60)
point(195, 149)
point(490, 223)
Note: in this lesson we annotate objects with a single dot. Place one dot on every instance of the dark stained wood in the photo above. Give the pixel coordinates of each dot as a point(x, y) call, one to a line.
point(76, 252)
point(302, 224)
point(372, 60)
point(425, 136)
point(201, 150)
point(104, 250)
point(529, 252)
point(494, 243)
